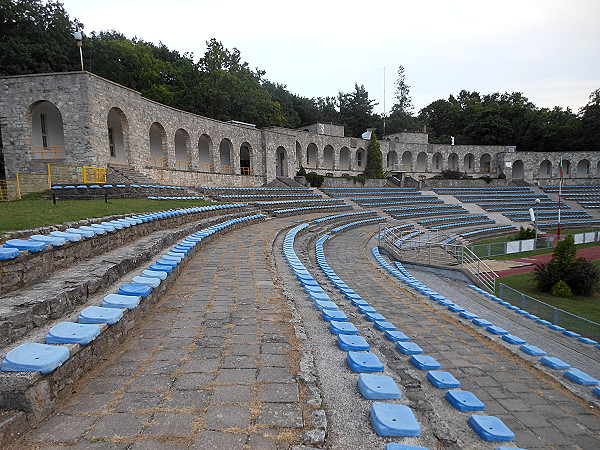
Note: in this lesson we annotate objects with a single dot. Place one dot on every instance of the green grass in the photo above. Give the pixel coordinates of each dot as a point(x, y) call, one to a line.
point(34, 211)
point(586, 307)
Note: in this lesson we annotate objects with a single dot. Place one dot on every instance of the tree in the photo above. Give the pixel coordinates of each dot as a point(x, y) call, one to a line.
point(403, 101)
point(590, 122)
point(36, 37)
point(374, 168)
point(356, 110)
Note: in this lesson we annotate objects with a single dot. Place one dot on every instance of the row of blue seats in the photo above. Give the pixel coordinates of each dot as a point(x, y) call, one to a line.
point(383, 188)
point(528, 204)
point(483, 189)
point(461, 224)
point(489, 428)
point(420, 213)
point(443, 219)
point(258, 189)
point(407, 191)
point(399, 198)
point(411, 202)
point(511, 207)
point(175, 198)
point(571, 188)
point(474, 232)
point(108, 186)
point(37, 243)
point(496, 197)
point(408, 236)
point(301, 195)
point(339, 216)
point(44, 358)
point(543, 213)
point(553, 362)
point(565, 215)
point(308, 208)
point(296, 202)
point(569, 223)
point(425, 207)
point(358, 222)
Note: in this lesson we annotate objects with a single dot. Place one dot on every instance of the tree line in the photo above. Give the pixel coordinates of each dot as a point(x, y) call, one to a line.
point(37, 37)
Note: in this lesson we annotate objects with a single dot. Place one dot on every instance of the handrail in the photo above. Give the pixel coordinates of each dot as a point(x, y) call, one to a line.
point(425, 246)
point(56, 152)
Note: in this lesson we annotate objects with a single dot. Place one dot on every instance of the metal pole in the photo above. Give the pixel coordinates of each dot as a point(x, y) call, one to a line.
point(81, 57)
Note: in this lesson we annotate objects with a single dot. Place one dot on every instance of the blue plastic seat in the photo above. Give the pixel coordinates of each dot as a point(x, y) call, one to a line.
point(120, 301)
point(328, 315)
point(375, 317)
point(98, 314)
point(456, 308)
point(496, 330)
point(96, 230)
point(511, 339)
point(378, 387)
point(161, 267)
point(22, 244)
point(384, 326)
point(587, 340)
point(571, 334)
point(555, 363)
point(424, 362)
point(337, 328)
point(84, 233)
point(532, 350)
point(34, 357)
point(323, 305)
point(49, 240)
point(394, 420)
point(146, 281)
point(491, 429)
point(155, 273)
point(9, 253)
point(395, 446)
point(467, 315)
point(395, 336)
point(71, 237)
point(409, 348)
point(364, 362)
point(464, 401)
point(442, 380)
point(354, 343)
point(580, 377)
point(135, 289)
point(359, 302)
point(72, 333)
point(596, 391)
point(364, 309)
point(481, 322)
point(167, 262)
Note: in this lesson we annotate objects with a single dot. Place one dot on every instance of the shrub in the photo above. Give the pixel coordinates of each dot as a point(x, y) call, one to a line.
point(314, 179)
point(452, 174)
point(524, 233)
point(502, 176)
point(562, 289)
point(374, 167)
point(487, 179)
point(301, 172)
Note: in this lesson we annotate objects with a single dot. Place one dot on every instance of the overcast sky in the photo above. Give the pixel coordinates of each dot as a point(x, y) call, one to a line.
point(547, 49)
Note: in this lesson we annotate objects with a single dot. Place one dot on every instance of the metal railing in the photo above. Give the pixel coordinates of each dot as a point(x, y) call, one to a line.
point(156, 161)
point(182, 164)
point(9, 190)
point(206, 167)
point(246, 170)
point(550, 313)
point(225, 169)
point(47, 153)
point(430, 247)
point(93, 174)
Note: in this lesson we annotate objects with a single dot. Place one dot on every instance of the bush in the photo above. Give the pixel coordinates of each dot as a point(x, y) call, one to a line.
point(301, 172)
point(525, 233)
point(502, 176)
point(374, 167)
point(314, 179)
point(580, 275)
point(487, 179)
point(561, 289)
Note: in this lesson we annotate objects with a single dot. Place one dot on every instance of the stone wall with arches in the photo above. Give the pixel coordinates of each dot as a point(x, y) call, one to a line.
point(79, 118)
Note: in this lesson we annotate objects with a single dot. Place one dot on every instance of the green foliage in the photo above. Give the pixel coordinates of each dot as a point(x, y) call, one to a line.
point(486, 178)
point(502, 176)
point(452, 175)
point(582, 277)
point(403, 100)
point(315, 179)
point(356, 111)
point(357, 179)
point(524, 233)
point(301, 172)
point(374, 168)
point(562, 289)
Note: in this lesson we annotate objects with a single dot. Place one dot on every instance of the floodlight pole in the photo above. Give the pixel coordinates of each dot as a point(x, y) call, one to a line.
point(78, 39)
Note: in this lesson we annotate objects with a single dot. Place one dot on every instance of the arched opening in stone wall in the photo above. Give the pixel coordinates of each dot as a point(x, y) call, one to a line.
point(328, 157)
point(281, 162)
point(225, 148)
point(344, 158)
point(453, 161)
point(311, 156)
point(469, 163)
point(117, 132)
point(245, 159)
point(583, 169)
point(158, 147)
point(299, 158)
point(518, 172)
point(422, 162)
point(182, 143)
point(47, 133)
point(407, 160)
point(392, 160)
point(437, 162)
point(485, 163)
point(598, 169)
point(360, 158)
point(566, 168)
point(204, 156)
point(545, 169)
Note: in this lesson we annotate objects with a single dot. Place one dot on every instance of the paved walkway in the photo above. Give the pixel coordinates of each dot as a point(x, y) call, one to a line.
point(213, 367)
